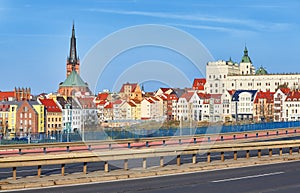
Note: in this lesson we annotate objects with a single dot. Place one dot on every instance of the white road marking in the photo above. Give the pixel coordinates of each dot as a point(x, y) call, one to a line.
point(247, 177)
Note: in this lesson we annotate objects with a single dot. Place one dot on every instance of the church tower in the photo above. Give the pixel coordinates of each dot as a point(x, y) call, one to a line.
point(72, 60)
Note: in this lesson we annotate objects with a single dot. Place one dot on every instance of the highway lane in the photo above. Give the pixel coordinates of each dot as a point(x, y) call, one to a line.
point(275, 178)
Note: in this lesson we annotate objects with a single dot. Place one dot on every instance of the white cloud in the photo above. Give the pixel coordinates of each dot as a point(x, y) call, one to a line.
point(214, 28)
point(246, 23)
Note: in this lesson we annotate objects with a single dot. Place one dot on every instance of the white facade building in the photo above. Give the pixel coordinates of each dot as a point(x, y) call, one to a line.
point(227, 75)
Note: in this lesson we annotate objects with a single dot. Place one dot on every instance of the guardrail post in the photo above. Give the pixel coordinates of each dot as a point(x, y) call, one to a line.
point(246, 136)
point(178, 160)
point(270, 152)
point(161, 161)
point(291, 150)
point(20, 151)
point(90, 148)
point(45, 150)
point(144, 163)
point(256, 135)
point(247, 154)
point(194, 159)
point(179, 141)
point(128, 145)
point(235, 155)
point(109, 146)
point(14, 173)
point(280, 151)
point(106, 169)
point(234, 137)
point(208, 157)
point(222, 138)
point(39, 172)
point(259, 153)
point(164, 142)
point(286, 132)
point(84, 167)
point(147, 144)
point(208, 139)
point(125, 164)
point(68, 148)
point(195, 140)
point(222, 156)
point(63, 169)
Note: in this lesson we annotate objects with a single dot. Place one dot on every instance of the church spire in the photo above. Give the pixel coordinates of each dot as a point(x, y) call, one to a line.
point(73, 52)
point(73, 59)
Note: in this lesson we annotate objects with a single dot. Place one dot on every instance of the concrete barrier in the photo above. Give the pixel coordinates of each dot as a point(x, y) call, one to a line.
point(127, 154)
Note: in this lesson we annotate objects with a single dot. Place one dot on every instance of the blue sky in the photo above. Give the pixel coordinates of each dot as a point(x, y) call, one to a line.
point(35, 35)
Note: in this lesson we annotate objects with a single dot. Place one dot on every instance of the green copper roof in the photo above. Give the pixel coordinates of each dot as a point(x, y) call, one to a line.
point(261, 71)
point(246, 58)
point(74, 80)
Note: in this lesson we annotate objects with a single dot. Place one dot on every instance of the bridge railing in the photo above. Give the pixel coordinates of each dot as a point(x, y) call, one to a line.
point(62, 159)
point(146, 142)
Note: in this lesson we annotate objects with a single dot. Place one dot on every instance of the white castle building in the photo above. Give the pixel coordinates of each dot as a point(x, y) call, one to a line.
point(228, 75)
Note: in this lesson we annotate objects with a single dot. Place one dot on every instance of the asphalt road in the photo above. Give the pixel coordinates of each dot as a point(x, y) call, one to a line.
point(269, 178)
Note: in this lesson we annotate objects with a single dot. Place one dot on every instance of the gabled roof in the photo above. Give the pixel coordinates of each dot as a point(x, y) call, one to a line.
point(50, 105)
point(87, 103)
point(269, 96)
point(199, 83)
point(293, 96)
point(6, 95)
point(133, 86)
point(285, 90)
point(117, 102)
point(102, 96)
point(131, 104)
point(74, 103)
point(187, 95)
point(73, 80)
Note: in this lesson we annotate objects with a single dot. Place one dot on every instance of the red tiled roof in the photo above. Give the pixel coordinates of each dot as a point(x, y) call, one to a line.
point(102, 96)
point(293, 95)
point(6, 95)
point(199, 83)
point(50, 105)
point(285, 90)
point(231, 92)
point(269, 96)
point(101, 103)
point(133, 86)
point(187, 95)
point(117, 102)
point(131, 104)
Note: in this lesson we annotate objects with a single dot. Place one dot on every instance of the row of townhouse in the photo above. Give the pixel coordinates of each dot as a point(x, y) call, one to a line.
point(196, 105)
point(47, 115)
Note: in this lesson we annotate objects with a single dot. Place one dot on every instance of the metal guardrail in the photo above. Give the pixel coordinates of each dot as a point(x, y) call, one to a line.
point(180, 139)
point(127, 154)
